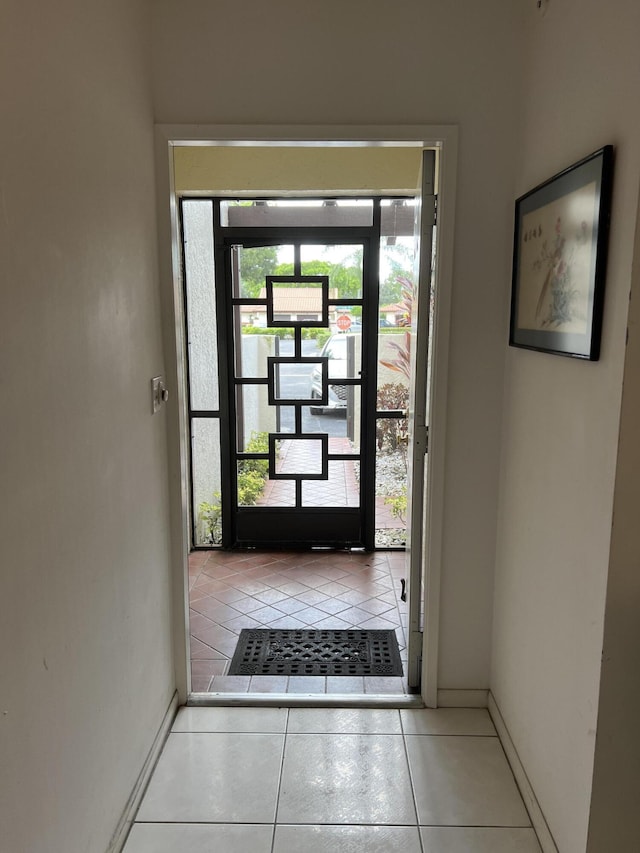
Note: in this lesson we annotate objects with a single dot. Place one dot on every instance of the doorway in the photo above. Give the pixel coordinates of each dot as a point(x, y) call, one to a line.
point(298, 373)
point(344, 143)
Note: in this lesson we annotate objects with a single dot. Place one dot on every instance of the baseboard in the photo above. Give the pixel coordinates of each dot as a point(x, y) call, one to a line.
point(462, 698)
point(129, 813)
point(538, 820)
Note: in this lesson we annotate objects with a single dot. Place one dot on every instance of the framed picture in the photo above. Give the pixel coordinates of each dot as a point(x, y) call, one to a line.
point(559, 260)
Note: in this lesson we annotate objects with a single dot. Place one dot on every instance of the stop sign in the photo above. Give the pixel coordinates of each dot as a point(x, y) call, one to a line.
point(343, 322)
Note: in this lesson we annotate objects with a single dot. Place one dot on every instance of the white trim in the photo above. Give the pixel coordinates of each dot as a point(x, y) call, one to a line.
point(434, 515)
point(128, 815)
point(177, 431)
point(305, 700)
point(462, 698)
point(443, 137)
point(538, 820)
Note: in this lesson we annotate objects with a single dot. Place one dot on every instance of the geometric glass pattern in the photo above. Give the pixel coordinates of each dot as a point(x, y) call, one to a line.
point(284, 387)
point(303, 301)
point(298, 456)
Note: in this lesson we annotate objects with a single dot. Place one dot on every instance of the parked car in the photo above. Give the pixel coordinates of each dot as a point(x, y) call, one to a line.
point(335, 350)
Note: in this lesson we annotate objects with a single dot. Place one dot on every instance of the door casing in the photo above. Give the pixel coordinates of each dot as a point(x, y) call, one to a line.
point(444, 138)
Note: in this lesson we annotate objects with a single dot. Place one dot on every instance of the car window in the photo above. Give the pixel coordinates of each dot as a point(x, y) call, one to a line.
point(337, 349)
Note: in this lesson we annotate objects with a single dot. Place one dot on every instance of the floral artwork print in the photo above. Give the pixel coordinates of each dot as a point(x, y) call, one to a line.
point(556, 257)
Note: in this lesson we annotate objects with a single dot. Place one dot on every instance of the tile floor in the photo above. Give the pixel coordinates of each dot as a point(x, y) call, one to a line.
point(230, 590)
point(278, 780)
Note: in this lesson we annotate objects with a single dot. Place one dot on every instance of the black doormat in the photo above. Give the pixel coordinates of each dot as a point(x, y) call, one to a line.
point(316, 652)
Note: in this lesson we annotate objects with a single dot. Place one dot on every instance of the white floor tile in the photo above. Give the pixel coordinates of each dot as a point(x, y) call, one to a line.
point(456, 839)
point(346, 839)
point(267, 720)
point(345, 779)
point(198, 838)
point(343, 721)
point(227, 778)
point(447, 721)
point(463, 781)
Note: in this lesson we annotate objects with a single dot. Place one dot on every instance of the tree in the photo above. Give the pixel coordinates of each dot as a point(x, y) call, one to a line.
point(346, 279)
point(255, 265)
point(400, 261)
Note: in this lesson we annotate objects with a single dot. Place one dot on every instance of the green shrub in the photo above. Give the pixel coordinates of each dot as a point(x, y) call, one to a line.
point(398, 504)
point(260, 330)
point(252, 473)
point(210, 517)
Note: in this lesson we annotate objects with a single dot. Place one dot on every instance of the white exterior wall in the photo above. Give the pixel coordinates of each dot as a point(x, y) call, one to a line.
point(86, 671)
point(561, 421)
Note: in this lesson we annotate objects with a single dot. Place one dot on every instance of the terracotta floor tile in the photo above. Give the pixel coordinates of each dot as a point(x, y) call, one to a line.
point(231, 591)
point(312, 597)
point(214, 610)
point(353, 597)
point(310, 615)
point(218, 571)
point(249, 586)
point(207, 668)
point(333, 606)
point(333, 588)
point(290, 606)
point(198, 623)
point(375, 607)
point(294, 588)
point(380, 623)
point(288, 623)
point(201, 651)
point(209, 585)
point(276, 580)
point(221, 639)
point(266, 614)
point(333, 623)
point(236, 625)
point(271, 596)
point(354, 615)
point(228, 596)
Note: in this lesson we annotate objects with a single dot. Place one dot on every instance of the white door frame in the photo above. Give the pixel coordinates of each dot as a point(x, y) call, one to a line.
point(442, 137)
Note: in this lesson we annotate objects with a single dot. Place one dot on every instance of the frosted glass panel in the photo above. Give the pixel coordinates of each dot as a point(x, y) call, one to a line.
point(197, 218)
point(205, 460)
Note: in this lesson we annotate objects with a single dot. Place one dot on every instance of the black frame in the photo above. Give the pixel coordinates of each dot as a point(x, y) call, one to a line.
point(557, 292)
point(272, 383)
point(256, 526)
point(250, 526)
point(298, 436)
point(322, 280)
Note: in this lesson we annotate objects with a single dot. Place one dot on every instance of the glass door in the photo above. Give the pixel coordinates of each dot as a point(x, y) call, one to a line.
point(294, 320)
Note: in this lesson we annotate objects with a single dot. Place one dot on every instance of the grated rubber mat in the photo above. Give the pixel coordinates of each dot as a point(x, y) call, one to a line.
point(316, 652)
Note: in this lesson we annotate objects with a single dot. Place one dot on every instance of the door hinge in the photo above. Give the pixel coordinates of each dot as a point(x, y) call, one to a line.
point(421, 439)
point(418, 636)
point(429, 212)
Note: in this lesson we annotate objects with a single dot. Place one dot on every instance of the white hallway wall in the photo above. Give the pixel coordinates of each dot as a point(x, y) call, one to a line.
point(561, 421)
point(85, 656)
point(365, 63)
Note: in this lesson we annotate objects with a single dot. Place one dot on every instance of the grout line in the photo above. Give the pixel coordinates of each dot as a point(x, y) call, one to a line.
point(413, 791)
point(284, 747)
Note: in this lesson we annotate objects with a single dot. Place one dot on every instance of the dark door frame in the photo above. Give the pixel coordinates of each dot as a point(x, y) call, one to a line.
point(318, 526)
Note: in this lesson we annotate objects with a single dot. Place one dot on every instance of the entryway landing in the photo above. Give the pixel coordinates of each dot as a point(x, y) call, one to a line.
point(229, 591)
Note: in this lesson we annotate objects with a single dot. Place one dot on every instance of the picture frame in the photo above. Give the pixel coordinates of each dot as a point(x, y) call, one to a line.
point(559, 260)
